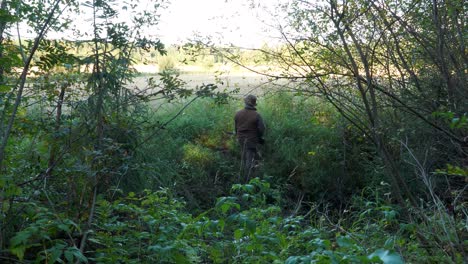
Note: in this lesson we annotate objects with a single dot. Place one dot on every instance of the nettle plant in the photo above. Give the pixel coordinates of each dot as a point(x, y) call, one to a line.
point(154, 227)
point(240, 228)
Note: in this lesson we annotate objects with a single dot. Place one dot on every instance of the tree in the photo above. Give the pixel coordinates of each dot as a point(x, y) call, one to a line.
point(394, 70)
point(41, 15)
point(385, 66)
point(90, 116)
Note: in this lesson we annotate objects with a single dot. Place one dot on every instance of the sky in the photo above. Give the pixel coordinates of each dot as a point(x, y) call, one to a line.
point(226, 21)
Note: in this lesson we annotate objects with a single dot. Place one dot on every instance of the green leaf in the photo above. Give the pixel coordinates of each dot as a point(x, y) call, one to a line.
point(292, 260)
point(251, 226)
point(96, 241)
point(390, 215)
point(56, 252)
point(238, 234)
point(344, 241)
point(386, 256)
point(389, 242)
point(221, 224)
point(226, 203)
point(180, 258)
point(18, 251)
point(321, 243)
point(249, 188)
point(6, 17)
point(64, 227)
point(225, 207)
point(77, 253)
point(299, 259)
point(20, 238)
point(4, 88)
point(69, 256)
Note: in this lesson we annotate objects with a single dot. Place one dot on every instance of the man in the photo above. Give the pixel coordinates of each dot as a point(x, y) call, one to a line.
point(249, 129)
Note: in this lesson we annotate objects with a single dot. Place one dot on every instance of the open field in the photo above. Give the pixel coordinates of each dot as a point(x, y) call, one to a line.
point(245, 81)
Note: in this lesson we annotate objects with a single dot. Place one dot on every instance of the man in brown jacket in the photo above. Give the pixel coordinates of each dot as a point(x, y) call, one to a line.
point(249, 129)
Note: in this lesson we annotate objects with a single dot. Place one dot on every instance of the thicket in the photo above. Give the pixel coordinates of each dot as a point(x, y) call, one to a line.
point(94, 169)
point(394, 70)
point(301, 208)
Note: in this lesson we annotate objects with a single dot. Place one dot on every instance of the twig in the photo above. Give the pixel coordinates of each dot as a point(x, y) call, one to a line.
point(167, 122)
point(90, 222)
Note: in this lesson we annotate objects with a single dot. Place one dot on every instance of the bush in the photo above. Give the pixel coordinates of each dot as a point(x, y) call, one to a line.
point(166, 63)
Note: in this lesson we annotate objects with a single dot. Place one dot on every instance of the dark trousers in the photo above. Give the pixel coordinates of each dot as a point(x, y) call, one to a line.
point(249, 159)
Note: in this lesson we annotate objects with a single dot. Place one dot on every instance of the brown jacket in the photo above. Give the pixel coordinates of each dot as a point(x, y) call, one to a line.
point(249, 126)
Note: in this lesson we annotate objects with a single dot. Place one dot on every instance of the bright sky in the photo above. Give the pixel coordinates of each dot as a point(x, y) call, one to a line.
point(226, 21)
point(229, 21)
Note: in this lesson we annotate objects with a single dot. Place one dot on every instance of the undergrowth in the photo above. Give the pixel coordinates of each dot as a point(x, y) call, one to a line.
point(154, 227)
point(319, 196)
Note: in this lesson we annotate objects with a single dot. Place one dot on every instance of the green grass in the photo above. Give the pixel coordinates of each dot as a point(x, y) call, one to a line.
point(303, 150)
point(317, 198)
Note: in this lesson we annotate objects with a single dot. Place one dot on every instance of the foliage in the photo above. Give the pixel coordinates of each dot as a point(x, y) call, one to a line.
point(136, 229)
point(405, 85)
point(96, 170)
point(49, 235)
point(254, 223)
point(153, 227)
point(312, 153)
point(83, 128)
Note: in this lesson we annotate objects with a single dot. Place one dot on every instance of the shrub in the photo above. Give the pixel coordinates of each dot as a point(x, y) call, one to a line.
point(166, 63)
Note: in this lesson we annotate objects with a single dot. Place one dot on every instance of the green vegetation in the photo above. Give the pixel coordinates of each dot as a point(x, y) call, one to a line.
point(364, 160)
point(196, 212)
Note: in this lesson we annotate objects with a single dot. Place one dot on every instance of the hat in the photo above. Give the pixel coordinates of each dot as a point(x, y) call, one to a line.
point(250, 100)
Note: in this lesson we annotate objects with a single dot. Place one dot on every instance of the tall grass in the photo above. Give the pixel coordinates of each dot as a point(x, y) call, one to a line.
point(320, 167)
point(304, 150)
point(323, 194)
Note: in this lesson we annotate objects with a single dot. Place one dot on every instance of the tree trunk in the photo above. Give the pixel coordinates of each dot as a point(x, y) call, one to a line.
point(58, 118)
point(3, 24)
point(367, 93)
point(22, 81)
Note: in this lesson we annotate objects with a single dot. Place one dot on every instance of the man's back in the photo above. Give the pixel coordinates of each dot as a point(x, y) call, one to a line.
point(246, 123)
